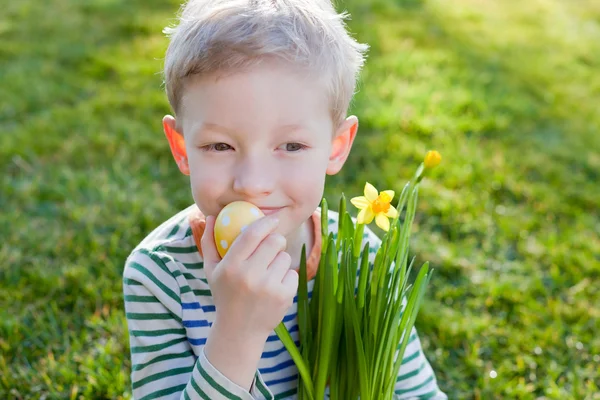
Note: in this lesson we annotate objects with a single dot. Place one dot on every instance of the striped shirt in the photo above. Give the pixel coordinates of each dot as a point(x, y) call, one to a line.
point(170, 311)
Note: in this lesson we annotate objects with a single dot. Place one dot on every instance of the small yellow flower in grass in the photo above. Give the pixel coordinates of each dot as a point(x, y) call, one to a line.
point(432, 159)
point(375, 205)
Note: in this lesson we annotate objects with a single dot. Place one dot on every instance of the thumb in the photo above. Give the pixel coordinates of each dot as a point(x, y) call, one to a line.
point(209, 250)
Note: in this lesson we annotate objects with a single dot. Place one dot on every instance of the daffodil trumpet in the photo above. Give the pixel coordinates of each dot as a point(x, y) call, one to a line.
point(354, 331)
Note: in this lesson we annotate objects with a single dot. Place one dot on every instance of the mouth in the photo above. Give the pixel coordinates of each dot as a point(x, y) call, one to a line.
point(270, 210)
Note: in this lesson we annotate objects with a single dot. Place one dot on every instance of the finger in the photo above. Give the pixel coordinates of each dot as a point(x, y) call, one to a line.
point(247, 242)
point(279, 267)
point(266, 252)
point(209, 249)
point(290, 281)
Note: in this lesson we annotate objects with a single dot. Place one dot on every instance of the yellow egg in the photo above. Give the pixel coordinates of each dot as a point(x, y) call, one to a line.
point(231, 221)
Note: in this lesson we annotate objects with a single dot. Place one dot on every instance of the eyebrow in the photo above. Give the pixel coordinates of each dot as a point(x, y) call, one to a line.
point(214, 127)
point(287, 128)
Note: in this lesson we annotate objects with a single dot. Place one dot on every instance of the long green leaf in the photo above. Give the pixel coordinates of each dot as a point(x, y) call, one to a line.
point(328, 320)
point(363, 277)
point(303, 370)
point(304, 322)
point(354, 336)
point(341, 221)
point(317, 297)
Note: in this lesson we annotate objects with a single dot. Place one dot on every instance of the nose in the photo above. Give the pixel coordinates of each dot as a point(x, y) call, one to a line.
point(254, 177)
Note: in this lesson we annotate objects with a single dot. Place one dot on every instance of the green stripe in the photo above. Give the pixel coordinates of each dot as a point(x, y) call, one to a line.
point(189, 232)
point(198, 265)
point(158, 283)
point(428, 395)
point(141, 299)
point(411, 339)
point(148, 316)
point(173, 231)
point(261, 387)
point(215, 385)
point(191, 277)
point(411, 357)
point(158, 332)
point(411, 374)
point(157, 347)
point(164, 392)
point(164, 357)
point(426, 382)
point(186, 396)
point(199, 390)
point(285, 395)
point(161, 375)
point(131, 282)
point(185, 289)
point(161, 262)
point(197, 292)
point(179, 250)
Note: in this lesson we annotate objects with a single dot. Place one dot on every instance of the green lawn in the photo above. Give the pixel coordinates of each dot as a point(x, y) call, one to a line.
point(508, 91)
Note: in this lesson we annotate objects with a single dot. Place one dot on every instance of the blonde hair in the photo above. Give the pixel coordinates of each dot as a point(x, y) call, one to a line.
point(224, 36)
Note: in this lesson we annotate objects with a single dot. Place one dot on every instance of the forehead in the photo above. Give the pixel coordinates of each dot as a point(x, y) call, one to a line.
point(266, 95)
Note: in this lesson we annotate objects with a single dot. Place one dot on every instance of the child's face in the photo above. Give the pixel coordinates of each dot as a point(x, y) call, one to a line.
point(264, 136)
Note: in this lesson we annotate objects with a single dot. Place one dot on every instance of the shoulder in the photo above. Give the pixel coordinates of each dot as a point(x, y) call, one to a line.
point(172, 230)
point(172, 242)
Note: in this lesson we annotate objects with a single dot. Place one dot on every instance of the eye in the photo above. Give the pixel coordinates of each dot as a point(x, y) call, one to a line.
point(294, 147)
point(218, 147)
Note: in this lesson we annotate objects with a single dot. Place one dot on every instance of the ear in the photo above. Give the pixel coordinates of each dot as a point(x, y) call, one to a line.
point(177, 144)
point(341, 145)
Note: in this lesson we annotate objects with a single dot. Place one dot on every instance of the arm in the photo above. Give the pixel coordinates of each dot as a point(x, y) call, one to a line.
point(416, 379)
point(234, 355)
point(163, 363)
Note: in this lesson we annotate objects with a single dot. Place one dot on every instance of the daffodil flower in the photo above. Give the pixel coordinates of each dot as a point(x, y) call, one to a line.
point(375, 205)
point(432, 159)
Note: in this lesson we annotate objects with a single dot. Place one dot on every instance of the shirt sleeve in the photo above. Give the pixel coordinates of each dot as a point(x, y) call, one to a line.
point(416, 379)
point(163, 364)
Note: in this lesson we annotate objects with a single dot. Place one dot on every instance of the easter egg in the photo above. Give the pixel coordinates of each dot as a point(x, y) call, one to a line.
point(231, 221)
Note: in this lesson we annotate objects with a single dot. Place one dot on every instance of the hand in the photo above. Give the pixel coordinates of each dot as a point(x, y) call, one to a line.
point(253, 285)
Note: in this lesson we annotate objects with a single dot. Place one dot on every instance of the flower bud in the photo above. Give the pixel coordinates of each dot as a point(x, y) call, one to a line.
point(432, 159)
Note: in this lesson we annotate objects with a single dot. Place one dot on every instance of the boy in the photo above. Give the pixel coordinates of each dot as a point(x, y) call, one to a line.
point(260, 90)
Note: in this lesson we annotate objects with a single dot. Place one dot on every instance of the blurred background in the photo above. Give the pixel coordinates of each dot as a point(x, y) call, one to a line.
point(507, 90)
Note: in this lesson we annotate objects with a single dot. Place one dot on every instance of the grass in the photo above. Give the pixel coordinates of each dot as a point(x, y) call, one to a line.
point(507, 91)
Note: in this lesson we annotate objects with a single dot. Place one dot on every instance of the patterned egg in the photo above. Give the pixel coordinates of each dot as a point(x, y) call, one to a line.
point(231, 221)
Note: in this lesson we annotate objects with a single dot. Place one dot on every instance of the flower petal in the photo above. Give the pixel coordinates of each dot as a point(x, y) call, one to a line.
point(360, 202)
point(389, 193)
point(361, 216)
point(382, 221)
point(370, 192)
point(365, 216)
point(392, 212)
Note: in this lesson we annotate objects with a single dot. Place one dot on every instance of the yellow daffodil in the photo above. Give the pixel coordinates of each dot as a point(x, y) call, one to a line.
point(375, 205)
point(432, 159)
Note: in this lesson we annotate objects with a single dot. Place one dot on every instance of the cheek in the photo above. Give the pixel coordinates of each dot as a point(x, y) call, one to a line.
point(207, 188)
point(307, 184)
